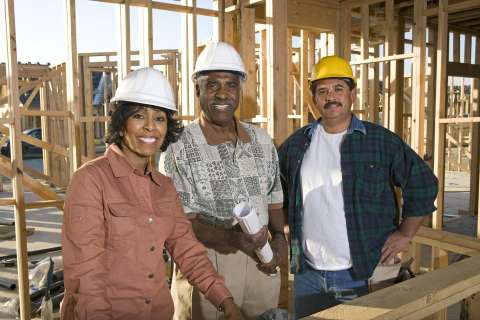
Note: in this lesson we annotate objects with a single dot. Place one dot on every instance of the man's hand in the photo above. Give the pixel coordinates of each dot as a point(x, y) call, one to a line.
point(279, 249)
point(231, 310)
point(397, 242)
point(247, 242)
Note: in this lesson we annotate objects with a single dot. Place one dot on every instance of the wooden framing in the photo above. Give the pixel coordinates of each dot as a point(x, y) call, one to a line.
point(276, 94)
point(16, 164)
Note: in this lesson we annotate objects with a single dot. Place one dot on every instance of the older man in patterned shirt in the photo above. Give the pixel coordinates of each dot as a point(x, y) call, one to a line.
point(217, 163)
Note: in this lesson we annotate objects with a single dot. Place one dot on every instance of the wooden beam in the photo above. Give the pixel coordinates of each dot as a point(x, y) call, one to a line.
point(454, 7)
point(16, 164)
point(364, 48)
point(474, 203)
point(391, 57)
point(183, 8)
point(413, 299)
point(448, 241)
point(304, 75)
point(248, 108)
point(72, 89)
point(277, 60)
point(440, 258)
point(418, 78)
point(467, 70)
point(146, 35)
point(123, 51)
point(188, 58)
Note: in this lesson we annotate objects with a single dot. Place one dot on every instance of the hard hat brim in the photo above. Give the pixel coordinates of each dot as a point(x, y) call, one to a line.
point(242, 74)
point(147, 100)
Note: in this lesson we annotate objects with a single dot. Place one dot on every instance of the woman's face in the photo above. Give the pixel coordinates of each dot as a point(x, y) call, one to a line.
point(144, 133)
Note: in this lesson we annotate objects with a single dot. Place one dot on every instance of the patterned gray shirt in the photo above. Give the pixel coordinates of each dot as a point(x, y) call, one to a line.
point(212, 179)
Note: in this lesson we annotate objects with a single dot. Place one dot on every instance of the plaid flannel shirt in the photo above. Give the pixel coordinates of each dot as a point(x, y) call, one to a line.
point(373, 160)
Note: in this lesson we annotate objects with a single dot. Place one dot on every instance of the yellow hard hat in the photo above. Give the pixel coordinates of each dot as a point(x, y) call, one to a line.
point(332, 67)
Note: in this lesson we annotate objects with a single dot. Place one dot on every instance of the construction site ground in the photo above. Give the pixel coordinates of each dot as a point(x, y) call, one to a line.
point(47, 225)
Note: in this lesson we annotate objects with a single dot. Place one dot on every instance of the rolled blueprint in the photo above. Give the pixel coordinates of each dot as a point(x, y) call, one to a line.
point(246, 216)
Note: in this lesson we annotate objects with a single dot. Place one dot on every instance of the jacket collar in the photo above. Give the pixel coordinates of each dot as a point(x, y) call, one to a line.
point(355, 125)
point(122, 167)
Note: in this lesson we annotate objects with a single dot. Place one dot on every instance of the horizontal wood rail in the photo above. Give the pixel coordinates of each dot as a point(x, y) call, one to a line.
point(413, 299)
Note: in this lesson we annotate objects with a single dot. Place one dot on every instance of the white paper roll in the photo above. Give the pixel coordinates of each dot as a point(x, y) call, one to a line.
point(246, 216)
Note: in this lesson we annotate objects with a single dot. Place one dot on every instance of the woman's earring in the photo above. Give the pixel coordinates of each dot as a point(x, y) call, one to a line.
point(121, 134)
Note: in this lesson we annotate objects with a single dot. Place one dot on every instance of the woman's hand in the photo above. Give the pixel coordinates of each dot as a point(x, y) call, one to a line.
point(231, 310)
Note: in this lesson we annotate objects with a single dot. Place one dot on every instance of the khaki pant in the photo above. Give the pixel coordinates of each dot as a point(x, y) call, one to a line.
point(253, 291)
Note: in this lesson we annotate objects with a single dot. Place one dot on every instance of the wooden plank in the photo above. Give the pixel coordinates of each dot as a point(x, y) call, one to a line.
point(46, 113)
point(454, 7)
point(45, 204)
point(263, 77)
point(414, 298)
point(146, 35)
point(15, 166)
point(277, 60)
point(432, 34)
point(291, 69)
point(89, 138)
point(474, 203)
point(248, 108)
point(467, 70)
point(221, 19)
point(32, 96)
point(418, 78)
point(7, 202)
point(448, 241)
point(189, 57)
point(460, 120)
point(42, 191)
point(440, 258)
point(39, 143)
point(123, 27)
point(304, 75)
point(364, 48)
point(167, 7)
point(316, 15)
point(391, 57)
point(72, 89)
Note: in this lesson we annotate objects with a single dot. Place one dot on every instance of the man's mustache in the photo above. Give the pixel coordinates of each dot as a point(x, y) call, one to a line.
point(332, 104)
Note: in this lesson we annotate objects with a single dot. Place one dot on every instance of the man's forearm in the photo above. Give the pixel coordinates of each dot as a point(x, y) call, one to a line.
point(276, 221)
point(410, 226)
point(211, 237)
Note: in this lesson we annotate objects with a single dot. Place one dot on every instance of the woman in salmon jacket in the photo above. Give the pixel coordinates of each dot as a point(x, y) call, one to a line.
point(120, 213)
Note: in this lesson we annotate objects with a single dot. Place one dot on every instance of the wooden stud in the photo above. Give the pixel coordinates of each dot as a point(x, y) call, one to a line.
point(364, 45)
point(248, 108)
point(123, 52)
point(72, 91)
point(432, 35)
point(89, 137)
point(263, 77)
point(290, 84)
point(418, 78)
point(146, 35)
point(304, 75)
point(45, 130)
point(474, 204)
point(277, 60)
point(440, 257)
point(16, 163)
point(189, 57)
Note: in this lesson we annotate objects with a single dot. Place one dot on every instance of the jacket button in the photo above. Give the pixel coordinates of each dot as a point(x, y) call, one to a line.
point(151, 275)
point(147, 301)
point(152, 248)
point(150, 220)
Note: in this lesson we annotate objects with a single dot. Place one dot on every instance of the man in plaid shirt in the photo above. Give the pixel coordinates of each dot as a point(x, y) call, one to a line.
point(338, 176)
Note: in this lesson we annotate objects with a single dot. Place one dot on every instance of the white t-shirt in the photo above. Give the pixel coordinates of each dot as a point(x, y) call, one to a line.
point(324, 226)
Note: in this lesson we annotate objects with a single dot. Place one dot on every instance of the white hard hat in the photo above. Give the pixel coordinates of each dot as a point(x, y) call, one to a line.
point(219, 56)
point(146, 86)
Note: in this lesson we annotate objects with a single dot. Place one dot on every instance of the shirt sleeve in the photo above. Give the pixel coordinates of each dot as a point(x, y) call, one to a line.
point(276, 192)
point(417, 181)
point(180, 176)
point(192, 260)
point(83, 246)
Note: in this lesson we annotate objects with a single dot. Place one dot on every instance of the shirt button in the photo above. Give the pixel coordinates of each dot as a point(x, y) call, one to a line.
point(147, 301)
point(152, 248)
point(151, 275)
point(150, 220)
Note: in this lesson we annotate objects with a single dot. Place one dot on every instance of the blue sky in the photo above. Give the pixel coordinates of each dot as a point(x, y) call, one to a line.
point(41, 30)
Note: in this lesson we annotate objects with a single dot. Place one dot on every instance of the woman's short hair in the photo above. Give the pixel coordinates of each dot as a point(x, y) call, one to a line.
point(122, 110)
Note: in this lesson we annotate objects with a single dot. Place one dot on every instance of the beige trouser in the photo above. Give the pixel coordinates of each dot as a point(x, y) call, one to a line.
point(253, 291)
